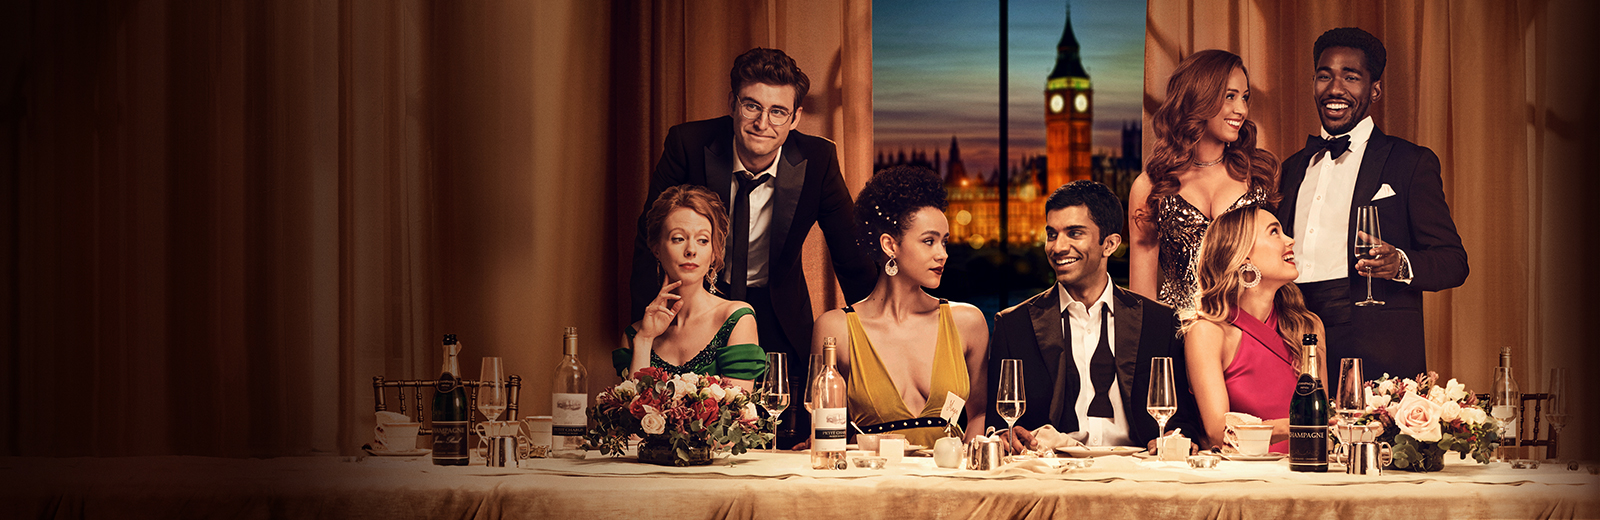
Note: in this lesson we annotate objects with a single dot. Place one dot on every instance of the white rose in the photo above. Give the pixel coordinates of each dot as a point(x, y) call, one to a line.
point(1449, 411)
point(680, 389)
point(1386, 387)
point(1455, 391)
point(1473, 415)
point(689, 377)
point(731, 392)
point(1436, 395)
point(1419, 418)
point(627, 388)
point(653, 423)
point(1393, 408)
point(1375, 402)
point(714, 392)
point(749, 412)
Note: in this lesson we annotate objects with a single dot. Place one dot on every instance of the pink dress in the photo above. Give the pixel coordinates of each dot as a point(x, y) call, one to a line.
point(1261, 379)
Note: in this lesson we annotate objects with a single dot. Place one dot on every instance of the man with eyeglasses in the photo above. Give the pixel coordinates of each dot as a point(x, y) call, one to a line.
point(776, 183)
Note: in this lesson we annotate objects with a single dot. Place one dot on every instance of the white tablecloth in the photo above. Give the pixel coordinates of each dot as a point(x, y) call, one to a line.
point(768, 485)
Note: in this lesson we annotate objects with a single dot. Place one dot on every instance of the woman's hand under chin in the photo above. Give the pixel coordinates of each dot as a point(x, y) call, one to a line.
point(661, 311)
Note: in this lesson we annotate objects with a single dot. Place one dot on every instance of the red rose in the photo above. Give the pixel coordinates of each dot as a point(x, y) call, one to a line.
point(708, 410)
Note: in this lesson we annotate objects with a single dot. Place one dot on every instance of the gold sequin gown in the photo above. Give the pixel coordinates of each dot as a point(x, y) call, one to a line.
point(1181, 226)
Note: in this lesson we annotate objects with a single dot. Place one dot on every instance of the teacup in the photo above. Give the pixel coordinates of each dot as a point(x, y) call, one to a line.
point(395, 436)
point(1251, 439)
point(538, 429)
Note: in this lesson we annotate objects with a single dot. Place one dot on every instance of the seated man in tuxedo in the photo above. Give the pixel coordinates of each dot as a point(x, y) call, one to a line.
point(1078, 379)
point(776, 183)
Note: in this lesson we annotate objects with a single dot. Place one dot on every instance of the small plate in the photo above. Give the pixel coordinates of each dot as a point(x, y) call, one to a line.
point(1099, 451)
point(1240, 457)
point(387, 453)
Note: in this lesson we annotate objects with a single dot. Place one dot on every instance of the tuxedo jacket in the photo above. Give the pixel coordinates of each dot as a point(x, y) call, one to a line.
point(1032, 331)
point(1416, 220)
point(809, 190)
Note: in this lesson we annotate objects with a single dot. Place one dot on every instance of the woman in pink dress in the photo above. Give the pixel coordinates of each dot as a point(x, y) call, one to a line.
point(1242, 338)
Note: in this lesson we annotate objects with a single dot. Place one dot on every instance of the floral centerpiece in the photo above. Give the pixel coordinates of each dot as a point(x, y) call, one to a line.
point(683, 419)
point(1422, 421)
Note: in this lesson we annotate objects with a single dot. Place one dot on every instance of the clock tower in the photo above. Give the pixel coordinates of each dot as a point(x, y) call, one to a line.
point(1069, 113)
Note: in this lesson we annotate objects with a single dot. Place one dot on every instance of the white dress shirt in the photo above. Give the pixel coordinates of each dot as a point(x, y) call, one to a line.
point(1322, 211)
point(1085, 334)
point(760, 218)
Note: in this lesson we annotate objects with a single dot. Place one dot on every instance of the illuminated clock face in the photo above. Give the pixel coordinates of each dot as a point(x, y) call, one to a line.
point(1056, 103)
point(1081, 103)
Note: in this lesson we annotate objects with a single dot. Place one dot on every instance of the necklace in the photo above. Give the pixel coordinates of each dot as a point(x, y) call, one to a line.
point(1199, 164)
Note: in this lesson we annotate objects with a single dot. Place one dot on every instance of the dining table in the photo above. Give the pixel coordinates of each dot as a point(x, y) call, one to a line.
point(775, 484)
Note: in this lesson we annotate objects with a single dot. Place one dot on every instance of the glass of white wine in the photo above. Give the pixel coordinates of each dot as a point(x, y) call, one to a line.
point(1555, 408)
point(776, 384)
point(1011, 399)
point(1162, 400)
point(492, 389)
point(1368, 237)
point(1350, 401)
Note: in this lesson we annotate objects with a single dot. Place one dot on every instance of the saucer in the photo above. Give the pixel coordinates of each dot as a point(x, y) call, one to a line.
point(1240, 457)
point(392, 453)
point(1099, 451)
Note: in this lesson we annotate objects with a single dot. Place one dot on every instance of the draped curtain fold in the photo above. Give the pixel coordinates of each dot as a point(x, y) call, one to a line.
point(1480, 83)
point(220, 220)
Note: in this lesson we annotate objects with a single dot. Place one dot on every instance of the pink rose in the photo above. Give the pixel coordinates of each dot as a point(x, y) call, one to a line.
point(1418, 417)
point(653, 423)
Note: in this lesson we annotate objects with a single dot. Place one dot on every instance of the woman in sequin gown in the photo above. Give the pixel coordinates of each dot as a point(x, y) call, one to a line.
point(1205, 162)
point(688, 328)
point(1242, 341)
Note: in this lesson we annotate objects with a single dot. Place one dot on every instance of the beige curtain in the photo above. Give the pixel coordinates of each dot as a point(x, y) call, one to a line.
point(219, 220)
point(1489, 86)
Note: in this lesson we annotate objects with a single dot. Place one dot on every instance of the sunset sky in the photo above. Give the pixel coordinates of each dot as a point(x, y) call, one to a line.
point(936, 69)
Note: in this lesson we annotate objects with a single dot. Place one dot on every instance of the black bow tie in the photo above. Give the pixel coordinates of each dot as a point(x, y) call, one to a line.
point(1335, 147)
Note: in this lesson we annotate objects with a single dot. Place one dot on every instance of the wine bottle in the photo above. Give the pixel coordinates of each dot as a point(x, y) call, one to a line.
point(450, 410)
point(1503, 406)
point(831, 415)
point(569, 402)
point(1308, 414)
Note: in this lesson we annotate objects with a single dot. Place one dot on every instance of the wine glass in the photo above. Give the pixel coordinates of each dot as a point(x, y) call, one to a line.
point(1011, 399)
point(492, 389)
point(776, 384)
point(1162, 401)
point(1351, 399)
point(1368, 236)
point(816, 364)
point(1555, 409)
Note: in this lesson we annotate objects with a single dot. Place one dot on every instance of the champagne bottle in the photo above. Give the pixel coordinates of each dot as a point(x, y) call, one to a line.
point(450, 410)
point(1308, 414)
point(1504, 404)
point(569, 402)
point(831, 415)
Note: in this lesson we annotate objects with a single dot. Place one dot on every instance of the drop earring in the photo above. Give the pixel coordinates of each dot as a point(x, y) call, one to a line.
point(1249, 276)
point(892, 267)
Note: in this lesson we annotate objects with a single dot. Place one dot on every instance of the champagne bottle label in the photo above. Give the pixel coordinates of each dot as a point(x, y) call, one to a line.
point(1305, 387)
point(830, 429)
point(1308, 445)
point(567, 414)
point(450, 440)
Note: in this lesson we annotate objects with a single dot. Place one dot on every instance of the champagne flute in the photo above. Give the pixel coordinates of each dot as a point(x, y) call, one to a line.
point(1162, 400)
point(1368, 236)
point(776, 384)
point(1351, 400)
point(492, 389)
point(1555, 409)
point(1012, 398)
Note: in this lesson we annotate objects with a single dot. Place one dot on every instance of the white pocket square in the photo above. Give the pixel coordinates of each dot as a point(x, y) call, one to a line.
point(1384, 192)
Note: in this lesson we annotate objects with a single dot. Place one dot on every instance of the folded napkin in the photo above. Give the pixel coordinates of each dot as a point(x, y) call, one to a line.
point(394, 432)
point(1047, 438)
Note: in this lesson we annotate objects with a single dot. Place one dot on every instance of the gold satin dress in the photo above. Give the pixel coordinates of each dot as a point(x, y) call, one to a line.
point(874, 399)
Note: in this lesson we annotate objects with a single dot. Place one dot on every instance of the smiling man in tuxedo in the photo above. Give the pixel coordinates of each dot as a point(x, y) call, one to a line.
point(1353, 164)
point(776, 182)
point(1085, 344)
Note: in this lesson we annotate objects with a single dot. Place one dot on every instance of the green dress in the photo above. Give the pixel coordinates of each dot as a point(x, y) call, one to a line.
point(743, 361)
